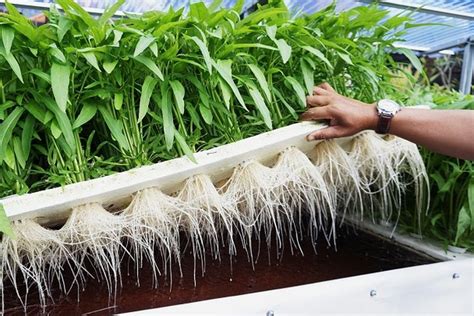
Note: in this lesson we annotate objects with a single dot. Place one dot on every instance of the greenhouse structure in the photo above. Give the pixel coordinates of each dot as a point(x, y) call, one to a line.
point(237, 157)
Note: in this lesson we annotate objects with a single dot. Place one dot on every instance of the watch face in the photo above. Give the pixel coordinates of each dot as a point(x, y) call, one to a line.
point(388, 106)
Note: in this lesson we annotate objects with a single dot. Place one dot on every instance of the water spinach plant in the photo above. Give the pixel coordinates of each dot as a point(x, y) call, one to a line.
point(82, 97)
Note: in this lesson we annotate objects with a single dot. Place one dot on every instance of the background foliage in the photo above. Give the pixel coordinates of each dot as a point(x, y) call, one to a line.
point(82, 97)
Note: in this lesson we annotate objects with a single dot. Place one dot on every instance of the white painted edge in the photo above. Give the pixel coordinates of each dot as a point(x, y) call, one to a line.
point(167, 176)
point(423, 246)
point(444, 288)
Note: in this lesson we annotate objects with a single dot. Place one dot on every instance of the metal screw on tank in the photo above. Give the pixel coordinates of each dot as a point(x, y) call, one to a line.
point(456, 276)
point(270, 313)
point(373, 293)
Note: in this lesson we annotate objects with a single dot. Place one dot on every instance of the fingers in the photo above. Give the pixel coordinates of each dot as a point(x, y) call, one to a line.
point(327, 133)
point(320, 91)
point(317, 113)
point(318, 100)
point(326, 87)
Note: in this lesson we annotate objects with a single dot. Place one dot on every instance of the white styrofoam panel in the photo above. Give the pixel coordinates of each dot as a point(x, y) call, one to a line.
point(434, 289)
point(167, 176)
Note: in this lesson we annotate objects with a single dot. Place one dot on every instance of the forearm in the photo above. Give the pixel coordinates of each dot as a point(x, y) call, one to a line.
point(449, 132)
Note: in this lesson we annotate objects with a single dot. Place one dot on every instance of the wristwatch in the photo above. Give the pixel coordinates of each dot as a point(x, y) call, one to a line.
point(386, 110)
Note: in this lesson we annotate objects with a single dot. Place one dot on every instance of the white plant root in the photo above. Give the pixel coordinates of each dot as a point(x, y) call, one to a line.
point(341, 177)
point(300, 188)
point(152, 225)
point(379, 177)
point(214, 215)
point(93, 237)
point(249, 191)
point(40, 255)
point(409, 164)
point(277, 204)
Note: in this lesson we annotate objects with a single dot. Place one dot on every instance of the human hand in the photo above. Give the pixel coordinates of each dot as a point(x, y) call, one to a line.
point(346, 116)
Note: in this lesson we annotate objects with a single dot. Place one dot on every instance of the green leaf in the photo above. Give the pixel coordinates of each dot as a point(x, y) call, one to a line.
point(115, 127)
point(298, 89)
point(38, 112)
point(118, 101)
point(76, 10)
point(11, 60)
point(91, 59)
point(271, 31)
point(5, 226)
point(347, 59)
point(150, 64)
point(167, 114)
point(8, 34)
point(260, 104)
point(88, 111)
point(262, 81)
point(117, 37)
point(154, 49)
point(19, 154)
point(319, 55)
point(6, 129)
point(178, 91)
point(470, 198)
point(55, 130)
point(10, 158)
point(308, 76)
point(415, 61)
point(109, 13)
point(27, 135)
point(184, 146)
point(57, 53)
point(147, 90)
point(62, 120)
point(205, 53)
point(41, 75)
point(143, 44)
point(224, 68)
point(464, 221)
point(284, 48)
point(60, 84)
point(226, 92)
point(205, 113)
point(64, 25)
point(109, 66)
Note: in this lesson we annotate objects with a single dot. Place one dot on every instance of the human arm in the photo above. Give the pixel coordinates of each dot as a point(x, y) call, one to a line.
point(449, 132)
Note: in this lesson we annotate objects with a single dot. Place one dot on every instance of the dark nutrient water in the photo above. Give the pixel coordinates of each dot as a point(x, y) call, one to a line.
point(357, 253)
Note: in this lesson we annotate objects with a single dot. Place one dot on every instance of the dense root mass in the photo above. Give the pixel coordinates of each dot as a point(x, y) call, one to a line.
point(380, 179)
point(300, 188)
point(408, 162)
point(341, 176)
point(152, 226)
point(93, 237)
point(300, 192)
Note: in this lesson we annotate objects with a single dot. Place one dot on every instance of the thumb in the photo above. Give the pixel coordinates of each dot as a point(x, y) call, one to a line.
point(326, 133)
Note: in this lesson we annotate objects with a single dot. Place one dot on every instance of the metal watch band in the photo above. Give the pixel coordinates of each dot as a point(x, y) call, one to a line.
point(383, 125)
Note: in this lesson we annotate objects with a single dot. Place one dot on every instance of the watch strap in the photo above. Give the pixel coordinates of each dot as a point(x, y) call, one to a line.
point(383, 125)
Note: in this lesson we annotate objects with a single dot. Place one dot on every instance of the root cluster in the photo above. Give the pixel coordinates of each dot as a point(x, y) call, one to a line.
point(299, 193)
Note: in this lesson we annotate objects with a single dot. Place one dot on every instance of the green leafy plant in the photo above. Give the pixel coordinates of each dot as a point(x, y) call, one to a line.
point(84, 97)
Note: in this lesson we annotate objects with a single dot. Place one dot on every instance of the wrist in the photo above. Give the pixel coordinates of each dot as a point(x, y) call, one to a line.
point(371, 116)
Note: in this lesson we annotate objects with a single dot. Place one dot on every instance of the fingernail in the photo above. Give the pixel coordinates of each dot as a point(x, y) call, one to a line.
point(311, 137)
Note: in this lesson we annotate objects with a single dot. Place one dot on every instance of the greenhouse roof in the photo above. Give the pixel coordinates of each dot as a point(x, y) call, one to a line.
point(454, 18)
